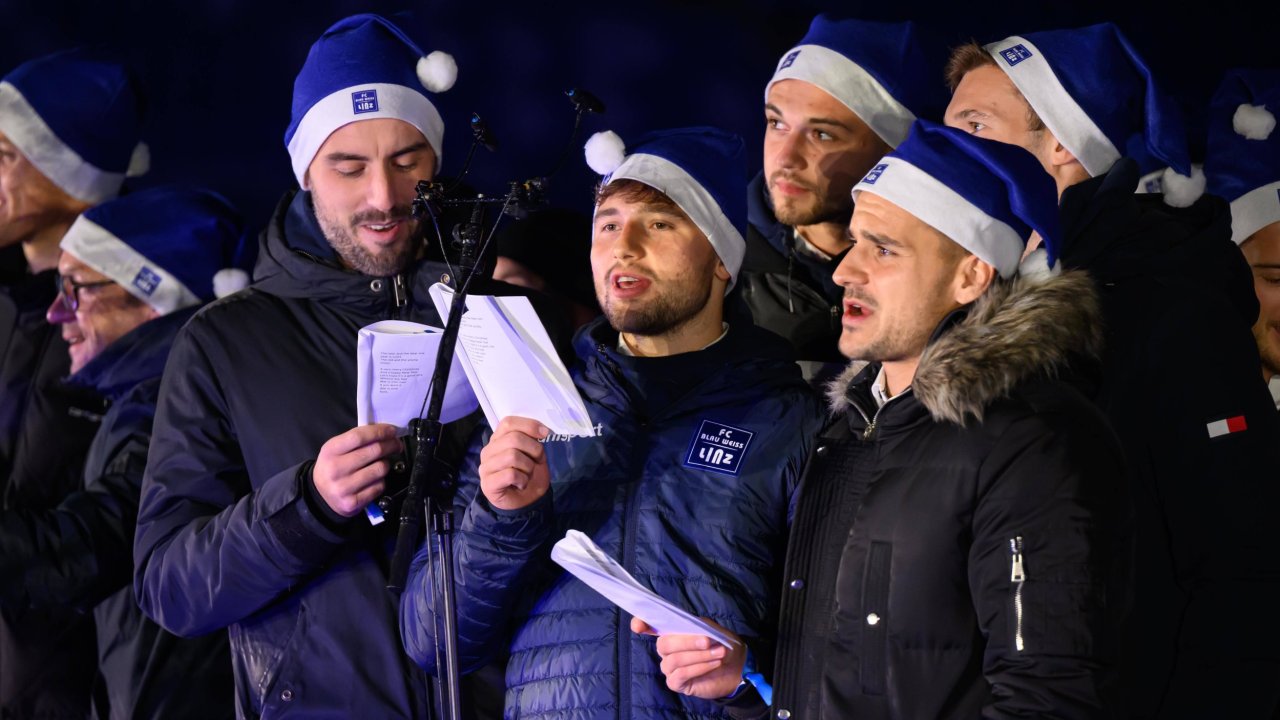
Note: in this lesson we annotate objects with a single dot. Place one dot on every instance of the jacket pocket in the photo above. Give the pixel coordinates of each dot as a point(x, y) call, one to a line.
point(267, 648)
point(875, 630)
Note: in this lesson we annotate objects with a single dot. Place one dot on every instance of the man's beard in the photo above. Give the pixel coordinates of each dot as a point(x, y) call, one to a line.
point(813, 209)
point(1269, 353)
point(897, 340)
point(663, 313)
point(342, 238)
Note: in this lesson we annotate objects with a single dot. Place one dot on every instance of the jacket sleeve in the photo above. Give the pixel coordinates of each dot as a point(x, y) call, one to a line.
point(77, 554)
point(211, 549)
point(495, 553)
point(1048, 565)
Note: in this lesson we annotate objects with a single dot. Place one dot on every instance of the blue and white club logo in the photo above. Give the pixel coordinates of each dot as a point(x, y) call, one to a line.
point(147, 280)
point(788, 60)
point(1015, 54)
point(875, 174)
point(718, 447)
point(364, 101)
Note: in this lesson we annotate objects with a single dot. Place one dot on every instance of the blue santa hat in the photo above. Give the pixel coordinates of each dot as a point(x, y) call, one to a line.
point(1094, 93)
point(169, 247)
point(364, 68)
point(1243, 166)
point(878, 70)
point(77, 117)
point(984, 195)
point(702, 169)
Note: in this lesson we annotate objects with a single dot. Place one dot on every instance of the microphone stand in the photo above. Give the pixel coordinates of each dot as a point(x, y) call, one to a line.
point(431, 483)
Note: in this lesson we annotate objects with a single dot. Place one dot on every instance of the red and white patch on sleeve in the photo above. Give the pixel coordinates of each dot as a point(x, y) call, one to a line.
point(1218, 428)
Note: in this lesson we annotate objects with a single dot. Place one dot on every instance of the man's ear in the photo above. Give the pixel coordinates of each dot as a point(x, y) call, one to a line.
point(1057, 154)
point(973, 277)
point(722, 272)
point(306, 180)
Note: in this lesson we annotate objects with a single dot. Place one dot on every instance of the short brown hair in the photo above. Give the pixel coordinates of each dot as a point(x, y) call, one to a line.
point(633, 191)
point(971, 56)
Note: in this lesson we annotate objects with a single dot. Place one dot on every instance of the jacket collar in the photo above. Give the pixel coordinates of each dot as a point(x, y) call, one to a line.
point(296, 261)
point(655, 383)
point(782, 237)
point(1018, 330)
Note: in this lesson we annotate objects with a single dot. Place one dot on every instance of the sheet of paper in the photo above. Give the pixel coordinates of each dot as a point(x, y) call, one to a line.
point(512, 364)
point(579, 555)
point(395, 360)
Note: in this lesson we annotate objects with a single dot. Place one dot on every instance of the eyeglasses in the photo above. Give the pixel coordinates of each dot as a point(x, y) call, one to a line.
point(69, 290)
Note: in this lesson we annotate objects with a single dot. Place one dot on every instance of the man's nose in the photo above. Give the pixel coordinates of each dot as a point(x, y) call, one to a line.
point(58, 312)
point(789, 152)
point(850, 270)
point(380, 193)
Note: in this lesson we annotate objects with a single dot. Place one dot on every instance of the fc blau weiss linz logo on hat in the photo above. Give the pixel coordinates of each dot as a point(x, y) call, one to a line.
point(788, 60)
point(875, 174)
point(147, 281)
point(364, 101)
point(1015, 54)
point(718, 447)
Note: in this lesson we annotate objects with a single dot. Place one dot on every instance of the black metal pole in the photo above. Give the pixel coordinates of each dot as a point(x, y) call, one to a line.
point(433, 488)
point(450, 682)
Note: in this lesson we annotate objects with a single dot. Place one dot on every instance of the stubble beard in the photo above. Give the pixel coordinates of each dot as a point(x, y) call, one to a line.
point(663, 313)
point(1268, 351)
point(812, 209)
point(342, 238)
point(895, 341)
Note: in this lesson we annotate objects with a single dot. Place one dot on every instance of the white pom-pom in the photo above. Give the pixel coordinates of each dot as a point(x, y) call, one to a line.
point(605, 152)
point(139, 162)
point(438, 71)
point(1254, 122)
point(1180, 190)
point(228, 281)
point(1035, 266)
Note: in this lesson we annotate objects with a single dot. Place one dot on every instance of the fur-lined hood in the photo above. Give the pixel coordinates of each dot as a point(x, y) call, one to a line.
point(1019, 329)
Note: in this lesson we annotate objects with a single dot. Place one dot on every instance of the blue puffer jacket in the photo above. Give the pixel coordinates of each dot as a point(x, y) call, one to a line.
point(703, 525)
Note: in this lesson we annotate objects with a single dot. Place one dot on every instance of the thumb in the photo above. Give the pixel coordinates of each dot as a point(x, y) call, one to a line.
point(641, 627)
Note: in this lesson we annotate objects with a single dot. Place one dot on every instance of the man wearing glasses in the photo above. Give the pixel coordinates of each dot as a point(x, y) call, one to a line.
point(69, 128)
point(132, 272)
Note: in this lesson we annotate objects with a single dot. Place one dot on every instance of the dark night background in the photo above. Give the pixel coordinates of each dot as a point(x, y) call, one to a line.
point(220, 73)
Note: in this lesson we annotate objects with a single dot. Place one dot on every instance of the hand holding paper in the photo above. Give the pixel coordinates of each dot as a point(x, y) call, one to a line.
point(696, 665)
point(349, 472)
point(513, 465)
point(587, 562)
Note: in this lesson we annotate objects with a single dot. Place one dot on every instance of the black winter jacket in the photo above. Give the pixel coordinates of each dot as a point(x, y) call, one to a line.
point(229, 533)
point(1178, 304)
point(702, 524)
point(77, 556)
point(46, 654)
point(960, 552)
point(789, 294)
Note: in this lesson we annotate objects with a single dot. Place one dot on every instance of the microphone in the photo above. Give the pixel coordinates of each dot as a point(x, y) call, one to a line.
point(482, 134)
point(585, 102)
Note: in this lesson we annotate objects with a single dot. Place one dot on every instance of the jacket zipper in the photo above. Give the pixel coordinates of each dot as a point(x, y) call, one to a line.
point(398, 294)
point(1018, 576)
point(791, 258)
point(871, 421)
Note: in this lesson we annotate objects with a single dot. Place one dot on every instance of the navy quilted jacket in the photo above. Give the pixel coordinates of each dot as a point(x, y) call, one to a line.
point(702, 522)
